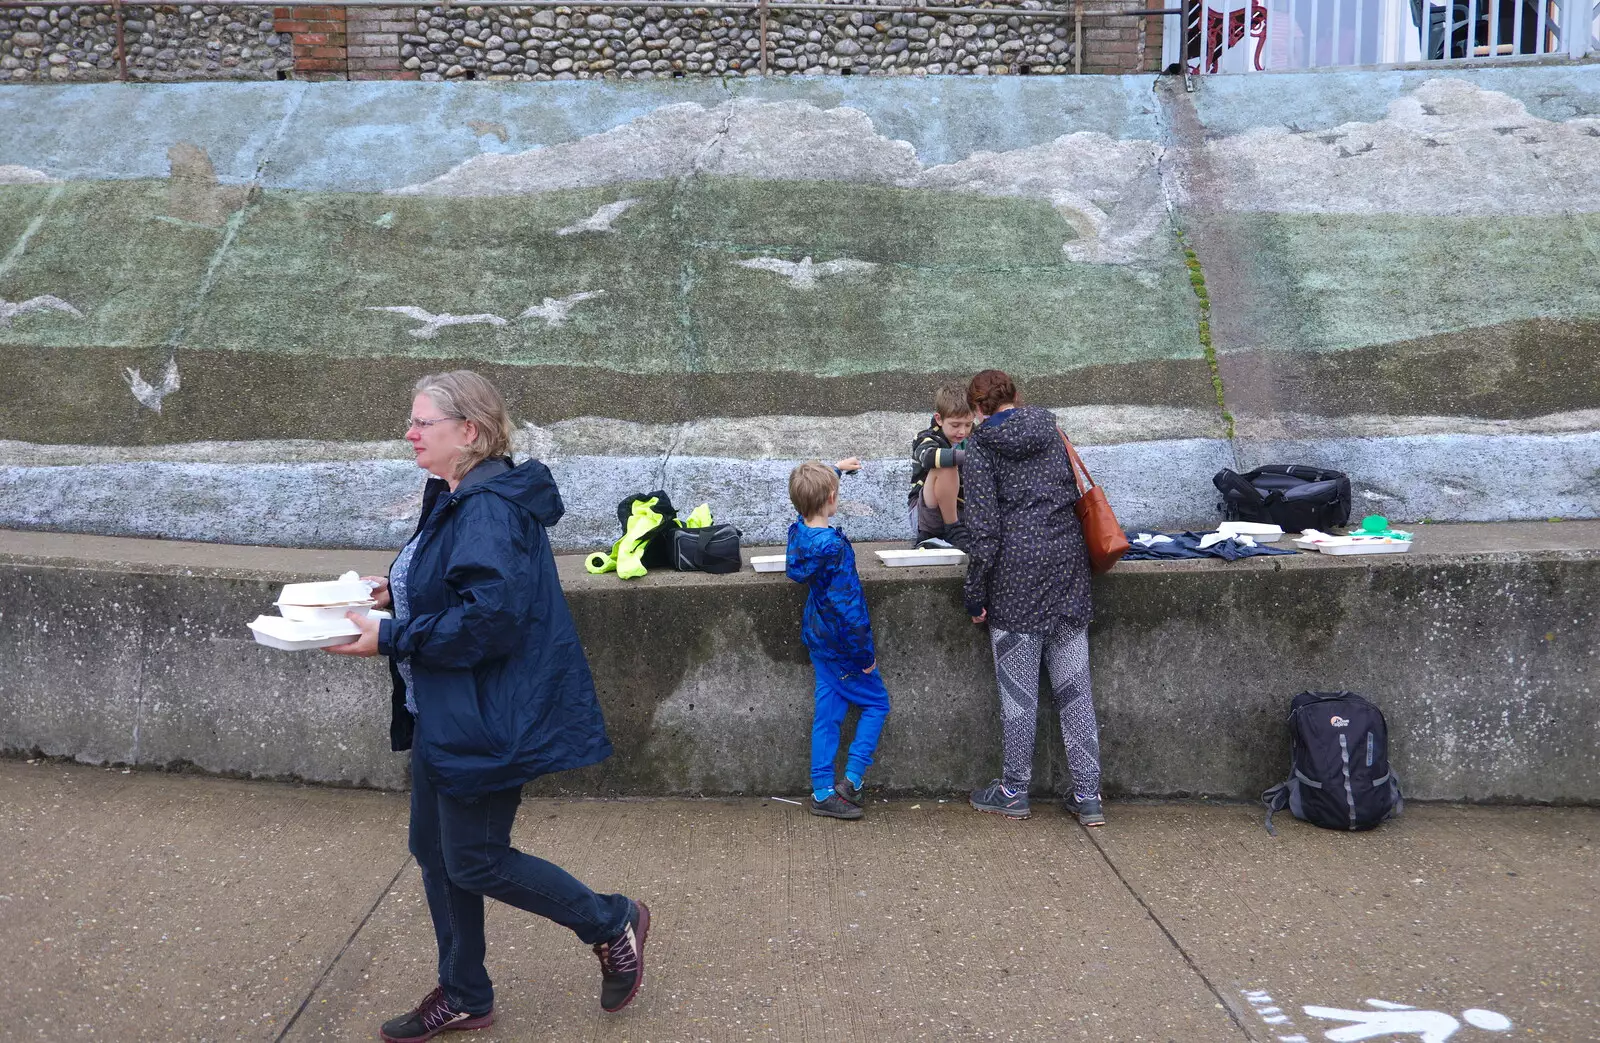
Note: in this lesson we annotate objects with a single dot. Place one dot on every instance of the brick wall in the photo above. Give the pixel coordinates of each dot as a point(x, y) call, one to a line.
point(374, 48)
point(1122, 43)
point(320, 42)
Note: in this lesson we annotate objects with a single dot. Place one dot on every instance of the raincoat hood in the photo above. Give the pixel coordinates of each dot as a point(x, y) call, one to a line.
point(810, 551)
point(528, 485)
point(1019, 433)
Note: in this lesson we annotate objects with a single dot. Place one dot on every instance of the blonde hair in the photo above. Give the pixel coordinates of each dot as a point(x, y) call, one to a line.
point(810, 485)
point(463, 395)
point(950, 402)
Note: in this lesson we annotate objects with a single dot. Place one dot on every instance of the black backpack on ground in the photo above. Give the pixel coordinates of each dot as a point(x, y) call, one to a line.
point(713, 548)
point(1292, 496)
point(1339, 765)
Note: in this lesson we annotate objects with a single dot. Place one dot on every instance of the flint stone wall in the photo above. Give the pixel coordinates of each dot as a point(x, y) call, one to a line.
point(655, 42)
point(188, 42)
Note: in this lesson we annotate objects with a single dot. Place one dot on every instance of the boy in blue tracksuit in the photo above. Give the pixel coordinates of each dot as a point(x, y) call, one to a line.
point(838, 635)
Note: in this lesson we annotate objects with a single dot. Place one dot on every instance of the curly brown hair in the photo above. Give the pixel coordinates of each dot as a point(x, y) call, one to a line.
point(991, 390)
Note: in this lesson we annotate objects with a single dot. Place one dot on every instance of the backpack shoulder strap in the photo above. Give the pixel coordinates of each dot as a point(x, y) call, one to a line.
point(1276, 799)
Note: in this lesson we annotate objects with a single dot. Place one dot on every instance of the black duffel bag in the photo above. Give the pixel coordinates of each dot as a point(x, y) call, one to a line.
point(1292, 496)
point(713, 548)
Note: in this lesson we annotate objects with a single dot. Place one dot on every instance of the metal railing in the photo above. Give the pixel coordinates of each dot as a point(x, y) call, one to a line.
point(1076, 13)
point(1246, 36)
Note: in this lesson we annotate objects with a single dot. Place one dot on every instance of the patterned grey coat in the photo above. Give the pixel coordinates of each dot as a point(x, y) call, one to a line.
point(1028, 564)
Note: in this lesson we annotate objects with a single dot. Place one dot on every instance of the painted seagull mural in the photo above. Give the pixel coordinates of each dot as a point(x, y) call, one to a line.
point(152, 396)
point(600, 220)
point(804, 274)
point(43, 302)
point(554, 311)
point(432, 324)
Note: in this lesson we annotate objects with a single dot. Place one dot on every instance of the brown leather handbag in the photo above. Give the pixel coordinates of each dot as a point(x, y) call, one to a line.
point(1102, 534)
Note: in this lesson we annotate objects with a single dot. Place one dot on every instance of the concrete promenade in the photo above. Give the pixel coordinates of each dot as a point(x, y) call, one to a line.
point(146, 906)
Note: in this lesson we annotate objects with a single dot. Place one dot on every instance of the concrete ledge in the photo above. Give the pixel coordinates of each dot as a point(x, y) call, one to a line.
point(1479, 645)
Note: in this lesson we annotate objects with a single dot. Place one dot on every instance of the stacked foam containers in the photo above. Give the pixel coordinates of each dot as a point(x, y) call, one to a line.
point(316, 615)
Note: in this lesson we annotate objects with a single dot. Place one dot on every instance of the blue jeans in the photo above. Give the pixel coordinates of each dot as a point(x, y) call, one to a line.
point(465, 854)
point(838, 687)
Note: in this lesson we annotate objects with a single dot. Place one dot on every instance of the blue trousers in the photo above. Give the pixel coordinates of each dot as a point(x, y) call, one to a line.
point(465, 854)
point(838, 687)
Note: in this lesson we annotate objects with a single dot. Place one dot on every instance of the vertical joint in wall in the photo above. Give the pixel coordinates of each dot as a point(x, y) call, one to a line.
point(1197, 282)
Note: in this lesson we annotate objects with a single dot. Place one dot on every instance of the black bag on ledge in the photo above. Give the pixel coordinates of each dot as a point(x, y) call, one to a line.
point(1292, 496)
point(713, 548)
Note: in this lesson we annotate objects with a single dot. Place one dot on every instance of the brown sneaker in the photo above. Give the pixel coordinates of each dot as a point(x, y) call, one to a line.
point(431, 1017)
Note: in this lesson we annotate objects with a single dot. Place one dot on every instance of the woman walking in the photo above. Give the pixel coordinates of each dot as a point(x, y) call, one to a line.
point(1028, 579)
point(491, 690)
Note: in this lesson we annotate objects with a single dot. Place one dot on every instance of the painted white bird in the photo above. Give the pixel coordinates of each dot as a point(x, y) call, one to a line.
point(554, 311)
point(804, 275)
point(43, 302)
point(432, 324)
point(152, 396)
point(600, 220)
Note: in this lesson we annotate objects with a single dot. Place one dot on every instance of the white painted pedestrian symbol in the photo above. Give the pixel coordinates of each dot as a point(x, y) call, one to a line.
point(1384, 1021)
point(1399, 1019)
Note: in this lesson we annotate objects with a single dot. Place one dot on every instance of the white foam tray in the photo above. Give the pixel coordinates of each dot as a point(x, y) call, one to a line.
point(292, 635)
point(899, 559)
point(1346, 545)
point(1260, 532)
point(320, 613)
point(1366, 547)
point(327, 593)
point(767, 562)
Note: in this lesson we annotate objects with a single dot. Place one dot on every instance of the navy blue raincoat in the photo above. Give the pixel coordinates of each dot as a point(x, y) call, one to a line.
point(502, 688)
point(835, 626)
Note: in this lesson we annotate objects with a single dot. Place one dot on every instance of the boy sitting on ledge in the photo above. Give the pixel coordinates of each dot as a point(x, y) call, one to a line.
point(935, 501)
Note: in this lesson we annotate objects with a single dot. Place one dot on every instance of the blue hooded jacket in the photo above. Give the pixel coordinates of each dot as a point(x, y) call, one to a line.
point(835, 626)
point(502, 688)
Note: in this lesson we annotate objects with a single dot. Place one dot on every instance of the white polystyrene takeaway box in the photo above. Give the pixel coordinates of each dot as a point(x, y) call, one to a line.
point(899, 559)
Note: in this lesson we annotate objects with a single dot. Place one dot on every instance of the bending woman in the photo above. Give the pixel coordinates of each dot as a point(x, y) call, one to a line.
point(491, 690)
point(1028, 579)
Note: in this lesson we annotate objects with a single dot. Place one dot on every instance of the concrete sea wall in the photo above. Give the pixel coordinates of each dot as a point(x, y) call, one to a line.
point(213, 322)
point(1479, 646)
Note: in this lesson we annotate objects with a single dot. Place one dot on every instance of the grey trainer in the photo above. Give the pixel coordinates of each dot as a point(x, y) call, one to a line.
point(834, 807)
point(994, 799)
point(1087, 809)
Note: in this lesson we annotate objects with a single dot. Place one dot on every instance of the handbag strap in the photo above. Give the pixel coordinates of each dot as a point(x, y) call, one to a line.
point(1080, 473)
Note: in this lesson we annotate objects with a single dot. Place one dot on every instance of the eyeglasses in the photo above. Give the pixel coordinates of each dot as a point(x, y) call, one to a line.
point(422, 425)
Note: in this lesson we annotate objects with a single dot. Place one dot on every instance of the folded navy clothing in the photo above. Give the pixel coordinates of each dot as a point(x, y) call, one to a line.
point(1166, 546)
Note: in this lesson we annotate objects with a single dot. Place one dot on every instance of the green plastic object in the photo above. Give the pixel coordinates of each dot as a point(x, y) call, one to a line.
point(1378, 525)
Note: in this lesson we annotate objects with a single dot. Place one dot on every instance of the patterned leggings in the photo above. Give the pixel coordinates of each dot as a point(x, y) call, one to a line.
point(1016, 666)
